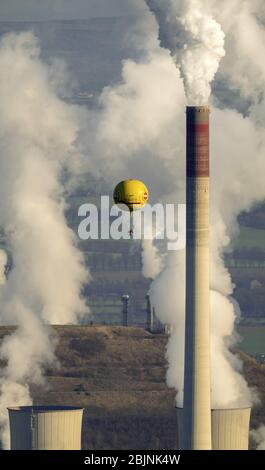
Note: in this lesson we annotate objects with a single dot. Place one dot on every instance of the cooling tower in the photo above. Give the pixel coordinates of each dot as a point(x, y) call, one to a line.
point(45, 427)
point(197, 388)
point(230, 429)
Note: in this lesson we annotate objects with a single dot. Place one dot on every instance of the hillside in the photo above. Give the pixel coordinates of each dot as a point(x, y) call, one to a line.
point(118, 375)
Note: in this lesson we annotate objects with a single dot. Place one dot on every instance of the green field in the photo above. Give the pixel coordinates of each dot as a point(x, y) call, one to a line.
point(253, 339)
point(251, 238)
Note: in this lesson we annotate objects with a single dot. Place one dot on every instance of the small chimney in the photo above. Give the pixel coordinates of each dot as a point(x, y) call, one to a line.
point(149, 314)
point(125, 309)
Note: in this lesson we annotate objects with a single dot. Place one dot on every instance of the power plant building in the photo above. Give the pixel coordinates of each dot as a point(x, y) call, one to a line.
point(45, 427)
point(199, 426)
point(229, 429)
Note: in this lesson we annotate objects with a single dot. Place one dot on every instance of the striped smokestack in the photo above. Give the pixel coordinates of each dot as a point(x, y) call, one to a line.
point(197, 386)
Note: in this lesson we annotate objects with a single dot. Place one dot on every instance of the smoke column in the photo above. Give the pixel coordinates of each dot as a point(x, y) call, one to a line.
point(37, 135)
point(151, 261)
point(3, 263)
point(195, 41)
point(258, 436)
point(186, 26)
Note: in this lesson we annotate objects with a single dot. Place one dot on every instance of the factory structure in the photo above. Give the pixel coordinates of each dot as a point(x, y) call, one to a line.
point(200, 427)
point(45, 427)
point(197, 378)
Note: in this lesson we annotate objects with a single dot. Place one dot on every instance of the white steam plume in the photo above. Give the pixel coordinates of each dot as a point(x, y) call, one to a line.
point(151, 260)
point(37, 138)
point(195, 40)
point(244, 52)
point(235, 194)
point(241, 187)
point(3, 263)
point(258, 435)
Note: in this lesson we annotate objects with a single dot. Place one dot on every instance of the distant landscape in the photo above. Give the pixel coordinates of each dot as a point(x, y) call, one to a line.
point(93, 52)
point(253, 339)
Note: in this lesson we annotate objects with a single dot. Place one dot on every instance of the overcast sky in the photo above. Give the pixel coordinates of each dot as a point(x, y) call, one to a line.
point(63, 9)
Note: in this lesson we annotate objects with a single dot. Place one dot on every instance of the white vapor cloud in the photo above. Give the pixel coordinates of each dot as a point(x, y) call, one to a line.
point(195, 40)
point(37, 133)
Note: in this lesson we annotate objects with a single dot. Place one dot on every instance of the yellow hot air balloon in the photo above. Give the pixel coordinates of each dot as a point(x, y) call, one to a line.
point(132, 193)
